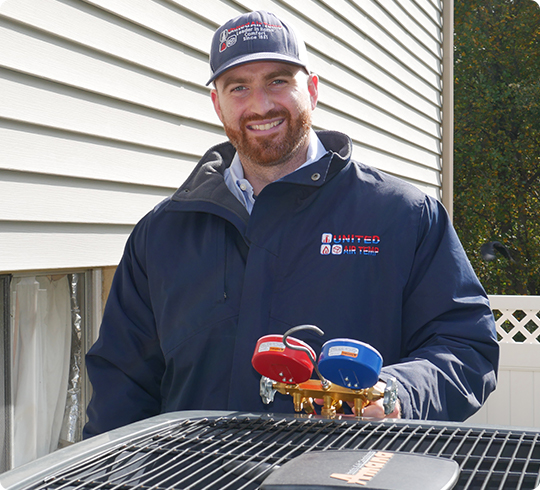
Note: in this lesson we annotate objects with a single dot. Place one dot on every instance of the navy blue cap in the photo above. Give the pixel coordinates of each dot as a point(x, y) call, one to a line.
point(255, 36)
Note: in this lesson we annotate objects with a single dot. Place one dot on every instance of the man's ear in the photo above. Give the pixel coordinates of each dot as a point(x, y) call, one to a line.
point(215, 101)
point(313, 88)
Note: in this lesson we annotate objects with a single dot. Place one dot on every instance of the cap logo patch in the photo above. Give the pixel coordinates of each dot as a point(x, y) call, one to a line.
point(226, 41)
point(247, 32)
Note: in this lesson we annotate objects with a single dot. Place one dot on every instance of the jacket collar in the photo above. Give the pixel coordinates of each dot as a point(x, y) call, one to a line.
point(207, 178)
point(205, 188)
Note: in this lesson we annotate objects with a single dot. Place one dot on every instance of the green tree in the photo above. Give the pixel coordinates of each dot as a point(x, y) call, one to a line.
point(497, 139)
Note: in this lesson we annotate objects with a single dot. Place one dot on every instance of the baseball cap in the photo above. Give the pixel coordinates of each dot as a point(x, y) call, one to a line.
point(255, 36)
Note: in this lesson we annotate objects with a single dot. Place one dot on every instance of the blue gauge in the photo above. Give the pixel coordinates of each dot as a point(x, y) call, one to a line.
point(350, 363)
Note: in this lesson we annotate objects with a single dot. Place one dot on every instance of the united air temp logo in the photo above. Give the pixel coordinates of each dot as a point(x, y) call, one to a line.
point(350, 244)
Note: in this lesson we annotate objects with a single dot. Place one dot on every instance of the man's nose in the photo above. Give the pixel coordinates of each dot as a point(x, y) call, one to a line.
point(261, 101)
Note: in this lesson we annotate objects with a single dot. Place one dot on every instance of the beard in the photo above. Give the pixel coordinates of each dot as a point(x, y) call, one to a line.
point(271, 150)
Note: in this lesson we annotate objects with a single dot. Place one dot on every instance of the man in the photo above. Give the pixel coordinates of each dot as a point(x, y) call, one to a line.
point(280, 227)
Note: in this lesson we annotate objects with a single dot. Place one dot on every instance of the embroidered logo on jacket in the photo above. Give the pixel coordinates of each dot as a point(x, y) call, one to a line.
point(349, 244)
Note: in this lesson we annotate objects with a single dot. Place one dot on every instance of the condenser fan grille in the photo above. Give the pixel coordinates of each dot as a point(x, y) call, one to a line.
point(240, 451)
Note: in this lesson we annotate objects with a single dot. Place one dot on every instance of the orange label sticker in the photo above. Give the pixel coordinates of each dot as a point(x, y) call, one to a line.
point(272, 347)
point(343, 350)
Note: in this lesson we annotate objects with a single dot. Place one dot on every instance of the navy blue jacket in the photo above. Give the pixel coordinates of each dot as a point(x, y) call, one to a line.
point(336, 244)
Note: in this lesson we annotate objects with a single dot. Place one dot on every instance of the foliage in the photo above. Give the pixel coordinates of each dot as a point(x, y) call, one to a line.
point(497, 139)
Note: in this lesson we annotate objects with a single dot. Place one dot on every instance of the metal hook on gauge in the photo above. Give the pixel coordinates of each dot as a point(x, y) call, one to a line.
point(325, 383)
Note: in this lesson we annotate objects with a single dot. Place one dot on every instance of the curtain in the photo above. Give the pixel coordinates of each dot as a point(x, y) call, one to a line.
point(41, 345)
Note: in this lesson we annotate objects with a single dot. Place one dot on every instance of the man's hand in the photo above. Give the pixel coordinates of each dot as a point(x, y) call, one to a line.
point(376, 409)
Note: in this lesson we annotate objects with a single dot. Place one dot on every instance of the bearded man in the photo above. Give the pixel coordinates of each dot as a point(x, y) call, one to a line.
point(280, 227)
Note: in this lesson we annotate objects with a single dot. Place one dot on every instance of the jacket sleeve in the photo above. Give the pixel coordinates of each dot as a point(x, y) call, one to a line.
point(449, 349)
point(126, 364)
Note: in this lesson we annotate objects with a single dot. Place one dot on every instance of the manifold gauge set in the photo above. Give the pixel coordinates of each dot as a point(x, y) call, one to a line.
point(347, 372)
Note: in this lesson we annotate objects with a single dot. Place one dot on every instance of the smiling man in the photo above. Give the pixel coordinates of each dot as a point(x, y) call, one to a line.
point(279, 227)
point(265, 108)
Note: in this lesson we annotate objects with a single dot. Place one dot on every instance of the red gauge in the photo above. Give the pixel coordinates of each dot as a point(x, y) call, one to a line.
point(273, 359)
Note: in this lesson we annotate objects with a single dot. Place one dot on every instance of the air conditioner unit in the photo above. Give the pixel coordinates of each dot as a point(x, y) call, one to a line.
point(232, 450)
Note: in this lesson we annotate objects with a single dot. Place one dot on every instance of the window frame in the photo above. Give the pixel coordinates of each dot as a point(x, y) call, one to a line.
point(90, 310)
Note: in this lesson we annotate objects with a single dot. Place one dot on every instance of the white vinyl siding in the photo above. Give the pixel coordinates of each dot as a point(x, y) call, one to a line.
point(104, 109)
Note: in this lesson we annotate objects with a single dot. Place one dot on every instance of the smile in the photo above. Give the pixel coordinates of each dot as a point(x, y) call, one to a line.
point(265, 127)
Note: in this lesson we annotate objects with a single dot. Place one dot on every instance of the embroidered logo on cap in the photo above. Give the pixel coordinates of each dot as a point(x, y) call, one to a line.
point(247, 32)
point(226, 40)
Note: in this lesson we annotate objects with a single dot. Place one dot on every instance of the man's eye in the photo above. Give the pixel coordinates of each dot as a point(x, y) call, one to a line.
point(240, 88)
point(278, 82)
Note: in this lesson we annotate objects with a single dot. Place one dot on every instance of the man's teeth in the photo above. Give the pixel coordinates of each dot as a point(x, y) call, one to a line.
point(264, 127)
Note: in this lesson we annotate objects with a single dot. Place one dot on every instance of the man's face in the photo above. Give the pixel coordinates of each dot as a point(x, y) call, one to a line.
point(265, 108)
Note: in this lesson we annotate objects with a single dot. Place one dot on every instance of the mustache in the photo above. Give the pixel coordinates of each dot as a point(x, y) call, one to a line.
point(271, 114)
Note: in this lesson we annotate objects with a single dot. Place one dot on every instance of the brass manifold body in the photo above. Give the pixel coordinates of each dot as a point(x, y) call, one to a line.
point(331, 394)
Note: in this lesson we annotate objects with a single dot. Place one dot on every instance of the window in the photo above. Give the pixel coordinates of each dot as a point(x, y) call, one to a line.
point(47, 329)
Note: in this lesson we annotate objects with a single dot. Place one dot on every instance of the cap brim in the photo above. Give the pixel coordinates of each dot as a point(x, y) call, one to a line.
point(249, 58)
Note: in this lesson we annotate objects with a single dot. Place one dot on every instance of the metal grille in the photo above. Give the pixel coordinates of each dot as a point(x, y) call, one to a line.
point(239, 452)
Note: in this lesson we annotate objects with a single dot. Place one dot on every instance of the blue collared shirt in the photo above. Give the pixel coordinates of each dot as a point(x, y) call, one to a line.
point(243, 190)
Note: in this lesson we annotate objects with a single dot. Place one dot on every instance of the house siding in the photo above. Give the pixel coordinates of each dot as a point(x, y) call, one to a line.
point(105, 110)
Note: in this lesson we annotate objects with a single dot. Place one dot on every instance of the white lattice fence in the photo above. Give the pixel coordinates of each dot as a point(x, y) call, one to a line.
point(516, 401)
point(517, 318)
